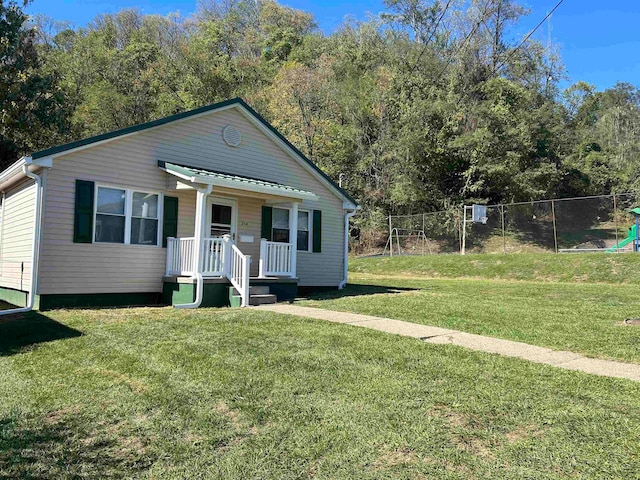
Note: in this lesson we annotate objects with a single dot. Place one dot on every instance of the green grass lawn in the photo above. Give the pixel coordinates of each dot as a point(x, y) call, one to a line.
point(556, 305)
point(544, 267)
point(229, 393)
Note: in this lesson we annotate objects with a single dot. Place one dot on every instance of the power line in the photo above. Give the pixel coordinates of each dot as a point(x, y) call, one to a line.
point(527, 37)
point(464, 42)
point(431, 34)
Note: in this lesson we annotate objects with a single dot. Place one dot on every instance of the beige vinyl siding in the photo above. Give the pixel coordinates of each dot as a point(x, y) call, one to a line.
point(131, 162)
point(186, 212)
point(17, 236)
point(250, 224)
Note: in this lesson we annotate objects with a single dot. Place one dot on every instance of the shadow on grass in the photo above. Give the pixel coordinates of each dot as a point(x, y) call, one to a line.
point(67, 444)
point(356, 291)
point(21, 331)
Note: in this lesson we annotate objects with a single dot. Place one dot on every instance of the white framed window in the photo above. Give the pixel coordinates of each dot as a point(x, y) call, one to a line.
point(280, 225)
point(127, 216)
point(304, 231)
point(280, 228)
point(144, 218)
point(111, 217)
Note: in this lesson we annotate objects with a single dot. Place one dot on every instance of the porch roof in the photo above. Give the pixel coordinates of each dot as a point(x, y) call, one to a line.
point(210, 177)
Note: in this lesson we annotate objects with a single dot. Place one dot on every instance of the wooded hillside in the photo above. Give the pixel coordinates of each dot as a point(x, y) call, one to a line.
point(427, 106)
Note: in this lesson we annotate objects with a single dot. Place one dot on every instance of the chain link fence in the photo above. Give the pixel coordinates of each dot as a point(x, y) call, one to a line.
point(426, 233)
point(573, 225)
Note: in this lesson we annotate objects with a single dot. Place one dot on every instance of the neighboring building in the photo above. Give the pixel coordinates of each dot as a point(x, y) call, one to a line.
point(173, 210)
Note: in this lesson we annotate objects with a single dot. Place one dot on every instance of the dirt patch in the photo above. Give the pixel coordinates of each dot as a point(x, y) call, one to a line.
point(121, 378)
point(473, 445)
point(399, 456)
point(57, 416)
point(463, 432)
point(524, 432)
point(233, 416)
point(68, 443)
point(455, 419)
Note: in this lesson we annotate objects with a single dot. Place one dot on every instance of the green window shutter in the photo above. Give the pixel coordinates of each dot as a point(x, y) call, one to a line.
point(170, 219)
point(83, 222)
point(317, 231)
point(267, 221)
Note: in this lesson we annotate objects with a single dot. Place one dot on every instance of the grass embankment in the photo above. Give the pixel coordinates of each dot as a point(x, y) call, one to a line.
point(247, 394)
point(572, 268)
point(553, 304)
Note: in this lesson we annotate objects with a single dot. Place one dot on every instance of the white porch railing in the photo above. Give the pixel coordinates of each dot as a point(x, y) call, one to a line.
point(238, 272)
point(180, 255)
point(219, 258)
point(213, 257)
point(276, 259)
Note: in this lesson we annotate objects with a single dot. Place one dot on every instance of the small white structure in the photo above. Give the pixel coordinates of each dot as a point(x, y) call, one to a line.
point(478, 215)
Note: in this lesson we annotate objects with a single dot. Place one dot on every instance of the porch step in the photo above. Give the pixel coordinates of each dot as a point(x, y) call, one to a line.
point(258, 295)
point(262, 299)
point(254, 290)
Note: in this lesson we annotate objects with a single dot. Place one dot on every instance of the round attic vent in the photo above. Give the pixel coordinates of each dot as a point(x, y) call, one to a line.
point(231, 136)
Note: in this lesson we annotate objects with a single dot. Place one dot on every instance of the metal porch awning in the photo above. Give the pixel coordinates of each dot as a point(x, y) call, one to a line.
point(237, 182)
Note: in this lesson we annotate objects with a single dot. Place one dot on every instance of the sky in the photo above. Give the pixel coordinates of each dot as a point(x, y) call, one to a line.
point(599, 41)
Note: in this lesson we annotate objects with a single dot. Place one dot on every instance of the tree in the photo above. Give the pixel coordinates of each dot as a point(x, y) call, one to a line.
point(32, 103)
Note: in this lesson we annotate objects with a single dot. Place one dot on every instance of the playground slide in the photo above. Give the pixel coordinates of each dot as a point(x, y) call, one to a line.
point(630, 238)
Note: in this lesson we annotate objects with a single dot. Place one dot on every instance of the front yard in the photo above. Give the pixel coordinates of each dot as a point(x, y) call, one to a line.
point(228, 393)
point(580, 317)
point(565, 302)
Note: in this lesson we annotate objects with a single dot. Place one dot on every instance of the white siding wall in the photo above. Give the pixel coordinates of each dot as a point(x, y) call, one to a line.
point(17, 236)
point(68, 267)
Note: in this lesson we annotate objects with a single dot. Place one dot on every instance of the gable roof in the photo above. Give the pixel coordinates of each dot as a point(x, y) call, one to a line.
point(184, 115)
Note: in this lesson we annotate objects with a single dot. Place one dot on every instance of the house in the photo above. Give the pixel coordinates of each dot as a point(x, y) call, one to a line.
point(208, 207)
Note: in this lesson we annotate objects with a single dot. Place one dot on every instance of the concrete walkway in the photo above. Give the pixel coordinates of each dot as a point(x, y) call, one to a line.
point(557, 358)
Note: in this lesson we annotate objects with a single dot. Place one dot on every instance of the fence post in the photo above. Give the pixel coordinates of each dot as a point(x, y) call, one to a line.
point(459, 225)
point(464, 230)
point(615, 220)
point(424, 236)
point(555, 232)
point(390, 237)
point(504, 240)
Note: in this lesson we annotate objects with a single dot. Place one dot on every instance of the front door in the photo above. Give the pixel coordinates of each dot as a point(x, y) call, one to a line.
point(221, 217)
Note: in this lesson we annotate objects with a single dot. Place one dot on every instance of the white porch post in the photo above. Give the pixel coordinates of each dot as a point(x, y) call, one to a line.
point(263, 257)
point(293, 237)
point(201, 215)
point(227, 269)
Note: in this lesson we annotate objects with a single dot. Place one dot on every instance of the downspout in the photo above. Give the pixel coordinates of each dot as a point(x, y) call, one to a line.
point(199, 293)
point(35, 246)
point(347, 216)
point(200, 212)
point(4, 198)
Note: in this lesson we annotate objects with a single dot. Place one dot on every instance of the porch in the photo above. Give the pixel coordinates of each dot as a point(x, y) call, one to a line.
point(220, 256)
point(218, 291)
point(221, 225)
point(226, 272)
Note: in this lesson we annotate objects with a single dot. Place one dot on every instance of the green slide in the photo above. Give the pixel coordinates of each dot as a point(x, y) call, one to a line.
point(630, 238)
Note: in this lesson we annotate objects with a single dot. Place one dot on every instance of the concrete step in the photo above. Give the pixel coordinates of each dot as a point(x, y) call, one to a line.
point(254, 290)
point(262, 299)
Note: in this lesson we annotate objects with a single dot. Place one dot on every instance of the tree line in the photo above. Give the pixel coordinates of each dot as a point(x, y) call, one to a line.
point(430, 104)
